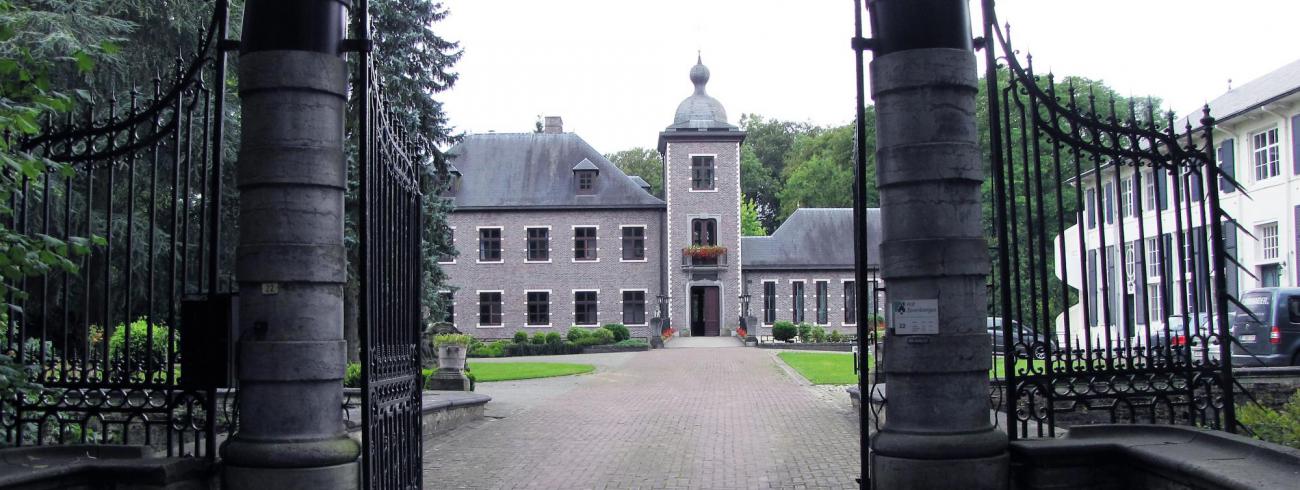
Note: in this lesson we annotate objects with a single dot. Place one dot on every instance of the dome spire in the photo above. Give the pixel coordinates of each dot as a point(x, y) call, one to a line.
point(699, 74)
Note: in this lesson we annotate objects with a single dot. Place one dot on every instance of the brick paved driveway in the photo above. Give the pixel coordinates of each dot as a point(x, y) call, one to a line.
point(669, 418)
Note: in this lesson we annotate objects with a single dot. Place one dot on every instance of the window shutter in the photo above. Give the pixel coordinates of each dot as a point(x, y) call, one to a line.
point(1297, 241)
point(1295, 144)
point(1229, 230)
point(1227, 166)
point(1194, 182)
point(1162, 188)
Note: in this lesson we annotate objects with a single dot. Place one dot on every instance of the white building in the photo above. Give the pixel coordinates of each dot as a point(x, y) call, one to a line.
point(1257, 137)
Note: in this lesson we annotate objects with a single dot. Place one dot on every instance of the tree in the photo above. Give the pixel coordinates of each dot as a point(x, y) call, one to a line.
point(749, 224)
point(644, 163)
point(767, 143)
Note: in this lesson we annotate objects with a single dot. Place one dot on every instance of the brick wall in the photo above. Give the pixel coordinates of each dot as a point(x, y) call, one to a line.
point(685, 205)
point(561, 276)
point(785, 297)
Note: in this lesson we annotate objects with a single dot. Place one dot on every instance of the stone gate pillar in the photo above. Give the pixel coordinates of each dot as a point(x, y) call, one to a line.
point(290, 258)
point(938, 431)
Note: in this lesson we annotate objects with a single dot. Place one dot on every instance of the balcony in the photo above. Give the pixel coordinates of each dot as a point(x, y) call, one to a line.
point(704, 258)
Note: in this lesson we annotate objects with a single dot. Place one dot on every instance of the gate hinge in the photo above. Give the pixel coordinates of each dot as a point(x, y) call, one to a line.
point(863, 43)
point(356, 45)
point(228, 45)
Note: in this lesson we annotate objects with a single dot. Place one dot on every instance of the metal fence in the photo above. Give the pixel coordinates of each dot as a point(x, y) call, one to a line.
point(145, 182)
point(1110, 291)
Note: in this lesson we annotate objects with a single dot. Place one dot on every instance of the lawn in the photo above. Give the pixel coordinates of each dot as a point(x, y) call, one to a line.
point(824, 368)
point(506, 371)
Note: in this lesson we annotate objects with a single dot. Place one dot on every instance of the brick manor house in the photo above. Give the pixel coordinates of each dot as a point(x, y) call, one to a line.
point(550, 235)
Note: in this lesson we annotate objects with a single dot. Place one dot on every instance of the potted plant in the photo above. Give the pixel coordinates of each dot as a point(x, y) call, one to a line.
point(704, 251)
point(451, 349)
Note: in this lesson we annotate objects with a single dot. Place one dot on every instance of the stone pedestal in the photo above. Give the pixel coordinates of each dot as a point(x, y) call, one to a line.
point(448, 380)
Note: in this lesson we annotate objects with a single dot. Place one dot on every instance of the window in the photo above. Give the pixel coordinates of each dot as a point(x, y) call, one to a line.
point(769, 302)
point(1153, 257)
point(449, 307)
point(1108, 203)
point(634, 307)
point(539, 308)
point(1150, 191)
point(702, 173)
point(1154, 303)
point(633, 243)
point(822, 290)
point(1090, 208)
point(1265, 152)
point(796, 296)
point(1268, 241)
point(586, 182)
point(704, 232)
point(1270, 276)
point(1126, 197)
point(850, 303)
point(584, 243)
point(489, 308)
point(539, 244)
point(584, 307)
point(489, 245)
point(1130, 264)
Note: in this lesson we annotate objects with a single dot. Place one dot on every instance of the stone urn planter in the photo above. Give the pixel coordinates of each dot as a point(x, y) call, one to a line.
point(451, 350)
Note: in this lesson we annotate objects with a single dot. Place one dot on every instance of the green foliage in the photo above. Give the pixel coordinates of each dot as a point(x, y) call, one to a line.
point(452, 339)
point(835, 336)
point(494, 349)
point(144, 351)
point(632, 343)
point(642, 162)
point(604, 335)
point(352, 375)
point(817, 334)
point(822, 368)
point(577, 333)
point(554, 338)
point(784, 330)
point(805, 330)
point(1276, 426)
point(620, 331)
point(539, 338)
point(543, 349)
point(521, 337)
point(749, 223)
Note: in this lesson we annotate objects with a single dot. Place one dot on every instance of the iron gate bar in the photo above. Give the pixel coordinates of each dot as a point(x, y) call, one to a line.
point(1126, 377)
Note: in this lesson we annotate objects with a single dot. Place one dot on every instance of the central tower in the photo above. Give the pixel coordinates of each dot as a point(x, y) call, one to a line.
point(701, 153)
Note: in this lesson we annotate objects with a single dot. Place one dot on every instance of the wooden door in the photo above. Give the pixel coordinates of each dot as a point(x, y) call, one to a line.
point(712, 312)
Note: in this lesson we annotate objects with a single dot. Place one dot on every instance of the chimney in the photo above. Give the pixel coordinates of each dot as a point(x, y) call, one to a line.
point(554, 125)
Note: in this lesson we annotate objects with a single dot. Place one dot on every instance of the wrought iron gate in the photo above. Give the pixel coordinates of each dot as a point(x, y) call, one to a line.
point(1111, 289)
point(145, 178)
point(390, 224)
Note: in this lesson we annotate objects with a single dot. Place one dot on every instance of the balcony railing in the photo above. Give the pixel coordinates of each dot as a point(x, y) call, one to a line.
point(696, 259)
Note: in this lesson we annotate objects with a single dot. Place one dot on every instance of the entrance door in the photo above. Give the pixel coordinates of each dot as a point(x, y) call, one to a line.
point(705, 311)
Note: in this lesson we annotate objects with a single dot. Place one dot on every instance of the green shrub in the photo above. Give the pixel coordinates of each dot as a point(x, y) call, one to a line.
point(1276, 426)
point(605, 336)
point(620, 331)
point(784, 331)
point(817, 334)
point(352, 375)
point(521, 337)
point(452, 339)
point(835, 336)
point(805, 330)
point(632, 343)
point(543, 349)
point(142, 350)
point(539, 338)
point(554, 338)
point(577, 333)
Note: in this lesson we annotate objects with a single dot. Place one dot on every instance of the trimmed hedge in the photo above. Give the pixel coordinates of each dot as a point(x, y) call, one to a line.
point(620, 331)
point(784, 330)
point(513, 350)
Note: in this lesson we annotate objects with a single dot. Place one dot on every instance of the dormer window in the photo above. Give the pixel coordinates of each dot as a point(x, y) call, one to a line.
point(584, 177)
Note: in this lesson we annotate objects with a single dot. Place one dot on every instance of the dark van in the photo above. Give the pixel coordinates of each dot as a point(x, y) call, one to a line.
point(1271, 337)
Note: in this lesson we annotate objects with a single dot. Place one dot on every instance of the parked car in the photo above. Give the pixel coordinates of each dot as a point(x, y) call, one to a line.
point(1270, 334)
point(1031, 339)
point(1182, 339)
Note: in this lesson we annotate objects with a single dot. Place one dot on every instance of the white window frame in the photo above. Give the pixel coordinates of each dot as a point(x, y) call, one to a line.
point(1269, 244)
point(1125, 197)
point(478, 308)
point(1149, 183)
point(573, 302)
point(776, 295)
point(550, 307)
point(478, 245)
point(550, 250)
point(844, 295)
point(1130, 267)
point(1153, 257)
point(645, 250)
point(573, 230)
point(804, 310)
point(690, 178)
point(645, 304)
point(1154, 305)
point(828, 302)
point(1266, 160)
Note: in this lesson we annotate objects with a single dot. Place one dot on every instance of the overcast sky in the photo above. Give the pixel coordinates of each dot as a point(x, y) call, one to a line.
point(615, 70)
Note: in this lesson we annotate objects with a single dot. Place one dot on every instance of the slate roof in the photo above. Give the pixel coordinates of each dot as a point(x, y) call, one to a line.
point(812, 238)
point(535, 171)
point(1274, 85)
point(640, 182)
